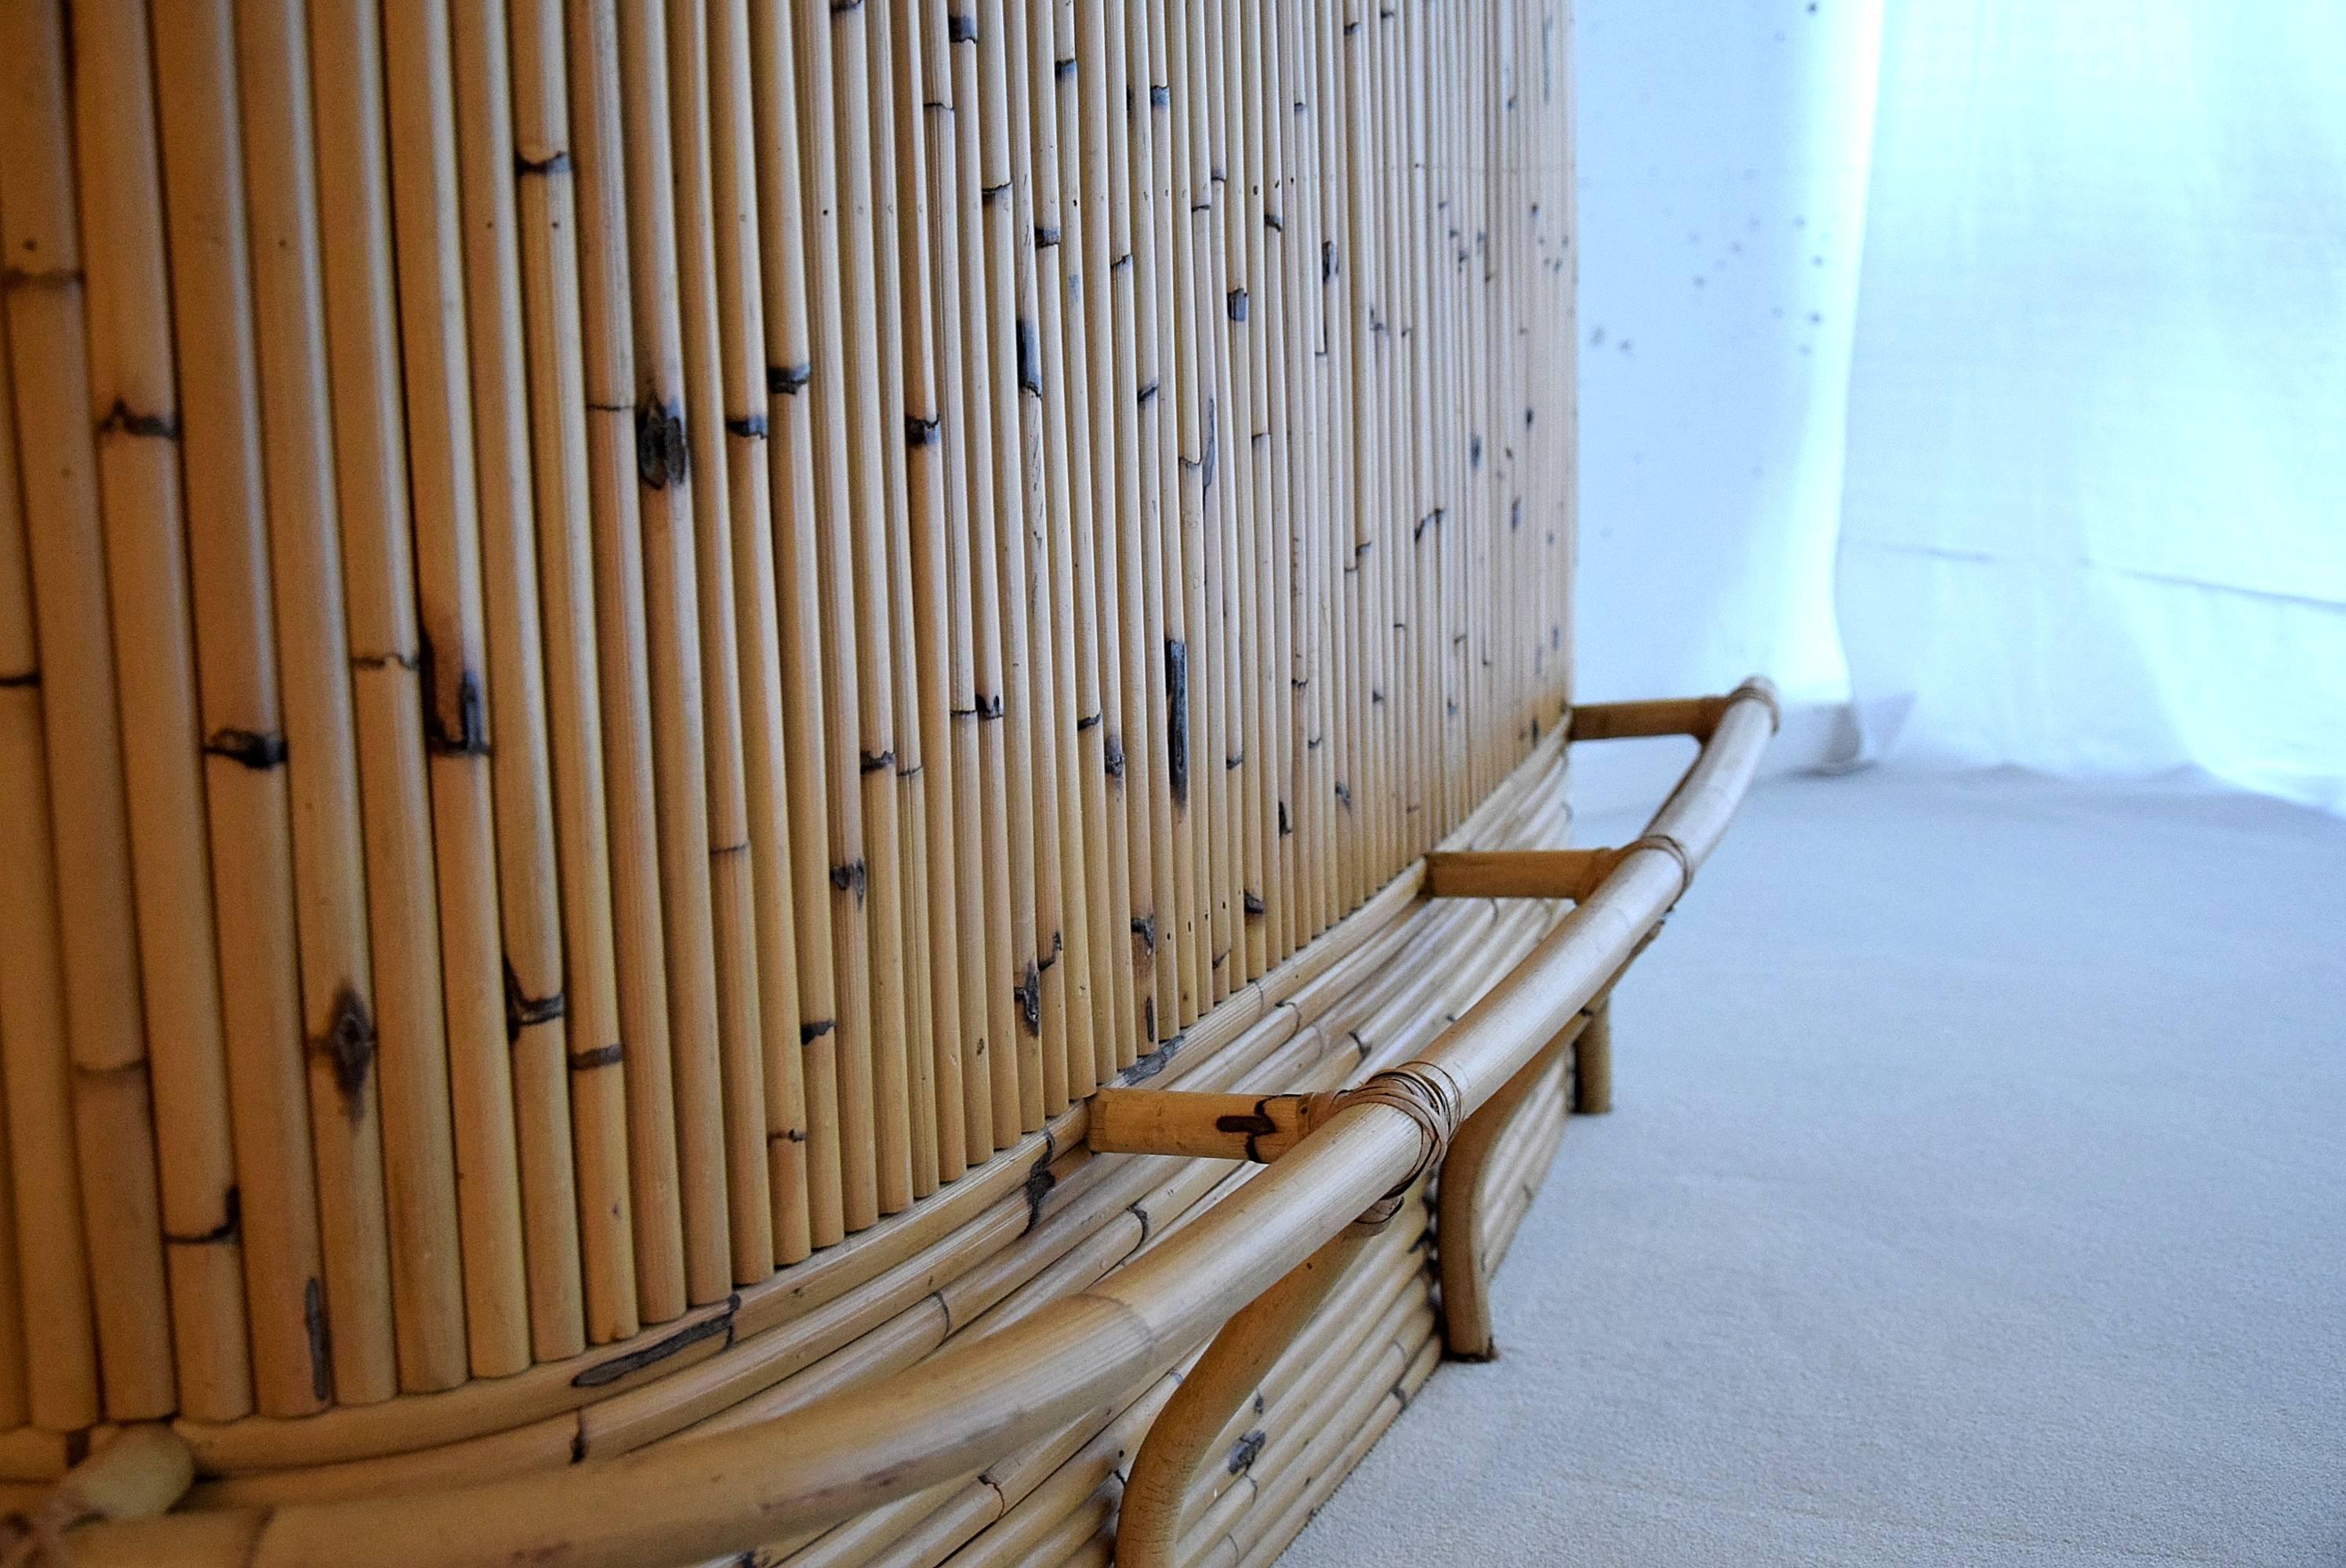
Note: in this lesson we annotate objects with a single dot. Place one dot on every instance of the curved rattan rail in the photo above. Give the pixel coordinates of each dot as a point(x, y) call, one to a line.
point(698, 1497)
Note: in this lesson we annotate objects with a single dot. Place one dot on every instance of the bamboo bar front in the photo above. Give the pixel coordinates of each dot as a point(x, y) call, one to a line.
point(642, 645)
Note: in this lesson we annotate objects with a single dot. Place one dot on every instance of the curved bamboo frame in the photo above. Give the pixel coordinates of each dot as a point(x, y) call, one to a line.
point(1148, 1525)
point(702, 1497)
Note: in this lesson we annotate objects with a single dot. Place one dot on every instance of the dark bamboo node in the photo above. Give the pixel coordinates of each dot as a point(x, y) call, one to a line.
point(232, 1222)
point(348, 1045)
point(248, 747)
point(124, 420)
point(524, 1011)
point(662, 453)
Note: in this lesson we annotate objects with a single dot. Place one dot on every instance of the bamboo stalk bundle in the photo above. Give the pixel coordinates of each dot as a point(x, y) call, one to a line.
point(639, 644)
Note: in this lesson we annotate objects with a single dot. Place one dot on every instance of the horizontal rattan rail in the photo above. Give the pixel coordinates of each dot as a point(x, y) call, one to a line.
point(699, 1498)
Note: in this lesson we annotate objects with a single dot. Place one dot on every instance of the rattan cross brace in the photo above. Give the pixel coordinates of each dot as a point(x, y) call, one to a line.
point(1571, 874)
point(1696, 716)
point(1260, 1128)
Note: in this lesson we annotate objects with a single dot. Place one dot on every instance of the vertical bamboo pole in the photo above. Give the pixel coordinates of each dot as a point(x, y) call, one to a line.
point(1275, 535)
point(1408, 518)
point(981, 840)
point(1284, 243)
point(1094, 793)
point(879, 1076)
point(1312, 285)
point(1060, 996)
point(1115, 100)
point(537, 1029)
point(672, 619)
point(1054, 91)
point(547, 222)
point(238, 706)
point(1164, 384)
point(598, 157)
point(1372, 548)
point(938, 483)
point(314, 661)
point(1012, 384)
point(808, 590)
point(408, 1038)
point(1411, 415)
point(15, 1396)
point(1351, 572)
point(1201, 331)
point(756, 615)
point(35, 1066)
point(456, 698)
point(1564, 393)
point(732, 888)
point(1249, 752)
point(917, 568)
point(829, 374)
point(1096, 44)
point(910, 923)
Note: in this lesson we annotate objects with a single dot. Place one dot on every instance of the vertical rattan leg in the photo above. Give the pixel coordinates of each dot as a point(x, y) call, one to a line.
point(1463, 1215)
point(1593, 1066)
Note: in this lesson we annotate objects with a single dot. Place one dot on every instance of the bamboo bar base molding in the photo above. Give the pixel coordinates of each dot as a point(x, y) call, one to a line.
point(671, 674)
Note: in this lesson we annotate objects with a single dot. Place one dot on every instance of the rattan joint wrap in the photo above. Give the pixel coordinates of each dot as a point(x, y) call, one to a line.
point(1669, 846)
point(1424, 1092)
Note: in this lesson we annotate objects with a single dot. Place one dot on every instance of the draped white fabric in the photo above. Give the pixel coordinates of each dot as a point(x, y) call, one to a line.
point(1722, 188)
point(2094, 510)
point(1723, 174)
point(2034, 313)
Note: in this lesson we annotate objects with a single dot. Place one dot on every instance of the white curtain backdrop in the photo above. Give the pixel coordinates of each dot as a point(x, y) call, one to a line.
point(1722, 178)
point(2034, 311)
point(2096, 494)
point(1722, 174)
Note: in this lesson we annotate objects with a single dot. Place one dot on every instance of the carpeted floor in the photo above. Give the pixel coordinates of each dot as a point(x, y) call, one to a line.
point(1975, 1194)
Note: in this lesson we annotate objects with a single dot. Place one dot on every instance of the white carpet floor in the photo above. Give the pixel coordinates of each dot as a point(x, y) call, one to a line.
point(1975, 1194)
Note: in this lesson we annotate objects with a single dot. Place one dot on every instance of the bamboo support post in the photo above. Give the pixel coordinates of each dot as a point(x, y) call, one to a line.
point(1465, 1224)
point(1593, 1063)
point(1179, 1441)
